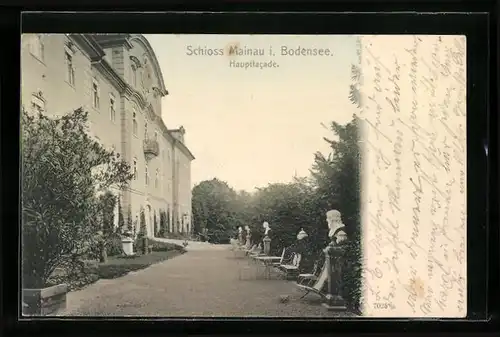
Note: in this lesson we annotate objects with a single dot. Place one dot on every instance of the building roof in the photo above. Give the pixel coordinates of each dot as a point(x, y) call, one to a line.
point(94, 45)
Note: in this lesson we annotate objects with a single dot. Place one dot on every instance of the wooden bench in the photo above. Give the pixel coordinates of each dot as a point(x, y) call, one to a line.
point(313, 275)
point(290, 267)
point(314, 284)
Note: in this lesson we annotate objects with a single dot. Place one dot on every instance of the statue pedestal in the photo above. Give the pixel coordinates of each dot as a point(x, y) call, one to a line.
point(127, 245)
point(248, 243)
point(334, 260)
point(267, 245)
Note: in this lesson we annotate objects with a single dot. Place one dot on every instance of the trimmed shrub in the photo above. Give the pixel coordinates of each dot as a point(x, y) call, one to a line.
point(164, 246)
point(114, 245)
point(121, 219)
point(63, 168)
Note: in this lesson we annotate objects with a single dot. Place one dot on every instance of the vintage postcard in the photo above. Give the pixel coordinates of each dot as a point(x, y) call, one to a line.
point(243, 175)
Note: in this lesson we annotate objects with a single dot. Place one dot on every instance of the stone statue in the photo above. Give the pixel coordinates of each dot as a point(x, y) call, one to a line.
point(267, 228)
point(302, 234)
point(335, 261)
point(240, 235)
point(267, 238)
point(337, 233)
point(248, 237)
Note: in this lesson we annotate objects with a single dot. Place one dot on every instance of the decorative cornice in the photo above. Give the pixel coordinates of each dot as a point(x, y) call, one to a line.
point(131, 92)
point(157, 92)
point(70, 45)
point(105, 68)
point(39, 94)
point(151, 113)
point(89, 45)
point(113, 40)
point(136, 61)
point(93, 48)
point(183, 148)
point(152, 56)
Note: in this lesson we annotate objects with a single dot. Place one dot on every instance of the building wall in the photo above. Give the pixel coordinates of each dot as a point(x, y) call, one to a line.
point(184, 190)
point(49, 77)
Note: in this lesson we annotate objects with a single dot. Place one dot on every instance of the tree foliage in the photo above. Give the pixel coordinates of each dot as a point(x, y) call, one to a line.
point(301, 204)
point(108, 201)
point(63, 170)
point(155, 224)
point(121, 219)
point(142, 224)
point(130, 222)
point(214, 206)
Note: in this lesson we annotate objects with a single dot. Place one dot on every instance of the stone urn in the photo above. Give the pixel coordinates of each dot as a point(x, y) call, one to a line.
point(45, 301)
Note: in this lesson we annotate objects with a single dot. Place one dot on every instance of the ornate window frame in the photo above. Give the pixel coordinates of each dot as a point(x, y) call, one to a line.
point(39, 101)
point(70, 65)
point(134, 164)
point(135, 127)
point(95, 90)
point(37, 47)
point(112, 107)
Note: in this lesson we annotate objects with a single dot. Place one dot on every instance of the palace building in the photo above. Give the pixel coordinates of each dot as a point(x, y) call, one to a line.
point(117, 79)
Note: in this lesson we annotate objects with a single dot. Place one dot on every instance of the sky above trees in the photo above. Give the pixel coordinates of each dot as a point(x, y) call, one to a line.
point(256, 126)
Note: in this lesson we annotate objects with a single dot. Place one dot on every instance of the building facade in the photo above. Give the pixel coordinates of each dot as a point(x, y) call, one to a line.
point(117, 79)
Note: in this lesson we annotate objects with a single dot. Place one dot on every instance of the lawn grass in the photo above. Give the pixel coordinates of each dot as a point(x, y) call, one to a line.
point(118, 266)
point(115, 266)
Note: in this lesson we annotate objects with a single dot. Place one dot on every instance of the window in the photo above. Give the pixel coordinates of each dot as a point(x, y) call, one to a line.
point(37, 47)
point(145, 129)
point(37, 104)
point(156, 135)
point(134, 76)
point(157, 175)
point(134, 122)
point(112, 108)
point(95, 94)
point(70, 70)
point(135, 169)
point(146, 175)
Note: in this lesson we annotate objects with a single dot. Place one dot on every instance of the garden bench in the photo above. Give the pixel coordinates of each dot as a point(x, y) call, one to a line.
point(269, 262)
point(311, 276)
point(314, 284)
point(256, 252)
point(291, 267)
point(252, 250)
point(281, 259)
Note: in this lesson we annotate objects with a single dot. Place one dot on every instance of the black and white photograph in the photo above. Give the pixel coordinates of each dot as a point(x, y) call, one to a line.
point(185, 175)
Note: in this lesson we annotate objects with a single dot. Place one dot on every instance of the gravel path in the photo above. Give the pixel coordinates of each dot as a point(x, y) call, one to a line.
point(211, 282)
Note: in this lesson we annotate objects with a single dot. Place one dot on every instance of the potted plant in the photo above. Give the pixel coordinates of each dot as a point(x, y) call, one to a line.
point(63, 169)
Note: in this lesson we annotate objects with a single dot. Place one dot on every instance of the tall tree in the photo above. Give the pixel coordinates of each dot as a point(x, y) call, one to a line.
point(121, 219)
point(214, 208)
point(337, 180)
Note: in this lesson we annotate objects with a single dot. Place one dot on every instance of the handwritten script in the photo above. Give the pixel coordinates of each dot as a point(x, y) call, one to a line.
point(413, 109)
